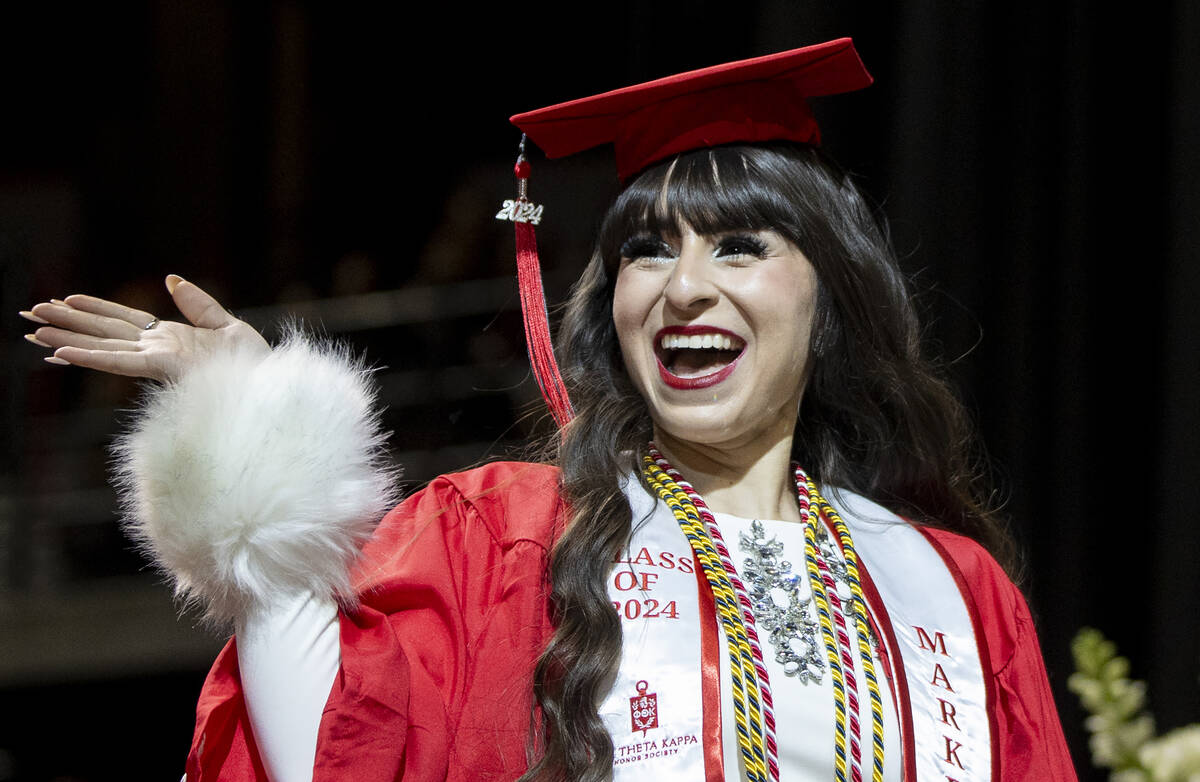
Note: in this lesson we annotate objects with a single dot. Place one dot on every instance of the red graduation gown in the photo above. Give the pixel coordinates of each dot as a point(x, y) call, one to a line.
point(437, 660)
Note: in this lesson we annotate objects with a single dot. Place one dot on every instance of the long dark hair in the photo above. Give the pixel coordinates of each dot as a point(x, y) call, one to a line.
point(876, 417)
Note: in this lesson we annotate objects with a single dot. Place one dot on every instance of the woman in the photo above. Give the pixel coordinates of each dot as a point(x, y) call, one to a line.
point(605, 617)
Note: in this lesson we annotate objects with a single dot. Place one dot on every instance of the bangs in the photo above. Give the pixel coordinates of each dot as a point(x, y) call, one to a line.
point(714, 190)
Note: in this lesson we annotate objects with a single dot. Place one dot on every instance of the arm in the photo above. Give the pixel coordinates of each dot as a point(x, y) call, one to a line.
point(251, 478)
point(1031, 736)
point(434, 681)
point(254, 482)
point(446, 615)
point(288, 658)
point(250, 474)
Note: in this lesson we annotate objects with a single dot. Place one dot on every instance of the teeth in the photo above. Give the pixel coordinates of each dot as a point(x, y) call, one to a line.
point(697, 341)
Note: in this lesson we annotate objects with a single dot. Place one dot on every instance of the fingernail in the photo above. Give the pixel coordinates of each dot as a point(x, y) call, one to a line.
point(59, 301)
point(57, 361)
point(27, 315)
point(172, 281)
point(36, 341)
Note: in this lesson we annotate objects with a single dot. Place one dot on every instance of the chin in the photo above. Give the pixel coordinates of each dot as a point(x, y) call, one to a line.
point(729, 423)
point(700, 431)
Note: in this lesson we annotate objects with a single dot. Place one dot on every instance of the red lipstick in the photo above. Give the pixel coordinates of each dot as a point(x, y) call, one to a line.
point(701, 381)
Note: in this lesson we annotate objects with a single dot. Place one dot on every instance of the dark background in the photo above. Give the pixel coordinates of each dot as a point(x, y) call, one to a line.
point(1037, 162)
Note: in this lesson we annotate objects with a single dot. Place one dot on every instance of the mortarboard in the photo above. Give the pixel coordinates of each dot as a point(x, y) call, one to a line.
point(755, 100)
point(760, 99)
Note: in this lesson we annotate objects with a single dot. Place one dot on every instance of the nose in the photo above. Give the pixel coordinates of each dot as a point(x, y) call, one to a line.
point(691, 285)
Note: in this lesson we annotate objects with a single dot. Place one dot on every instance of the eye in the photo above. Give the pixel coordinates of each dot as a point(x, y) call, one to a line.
point(741, 245)
point(646, 249)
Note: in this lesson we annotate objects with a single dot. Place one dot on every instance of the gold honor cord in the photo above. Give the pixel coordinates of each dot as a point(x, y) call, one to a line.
point(862, 626)
point(747, 710)
point(821, 600)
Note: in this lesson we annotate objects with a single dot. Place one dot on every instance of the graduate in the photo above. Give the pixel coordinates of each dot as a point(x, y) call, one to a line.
point(758, 548)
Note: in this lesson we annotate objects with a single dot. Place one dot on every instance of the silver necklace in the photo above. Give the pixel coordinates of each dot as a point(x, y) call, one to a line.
point(779, 605)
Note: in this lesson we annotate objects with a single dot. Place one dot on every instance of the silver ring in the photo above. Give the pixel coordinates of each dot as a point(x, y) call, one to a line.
point(150, 325)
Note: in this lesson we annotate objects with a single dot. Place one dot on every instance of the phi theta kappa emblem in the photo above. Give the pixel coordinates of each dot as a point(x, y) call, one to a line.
point(643, 709)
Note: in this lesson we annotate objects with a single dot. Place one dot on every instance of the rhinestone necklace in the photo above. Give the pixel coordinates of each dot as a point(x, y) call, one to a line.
point(790, 626)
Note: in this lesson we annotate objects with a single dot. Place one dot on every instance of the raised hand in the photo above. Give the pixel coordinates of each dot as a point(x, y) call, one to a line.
point(99, 334)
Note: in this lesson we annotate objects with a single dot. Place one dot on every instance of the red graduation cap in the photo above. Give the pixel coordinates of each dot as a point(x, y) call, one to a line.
point(760, 99)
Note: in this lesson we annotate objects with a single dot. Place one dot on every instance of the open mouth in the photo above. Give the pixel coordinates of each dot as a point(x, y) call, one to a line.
point(697, 357)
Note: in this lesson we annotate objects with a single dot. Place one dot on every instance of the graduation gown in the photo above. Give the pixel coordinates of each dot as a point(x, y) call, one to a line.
point(437, 659)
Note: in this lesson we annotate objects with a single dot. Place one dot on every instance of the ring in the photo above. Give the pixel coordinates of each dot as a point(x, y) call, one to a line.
point(150, 325)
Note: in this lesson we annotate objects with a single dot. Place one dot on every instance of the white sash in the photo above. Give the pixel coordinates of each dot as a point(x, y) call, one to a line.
point(932, 625)
point(654, 711)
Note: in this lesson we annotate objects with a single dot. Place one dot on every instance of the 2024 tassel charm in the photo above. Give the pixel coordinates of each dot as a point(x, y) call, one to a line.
point(525, 214)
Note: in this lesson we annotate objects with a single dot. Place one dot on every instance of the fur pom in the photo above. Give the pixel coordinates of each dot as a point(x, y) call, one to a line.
point(251, 479)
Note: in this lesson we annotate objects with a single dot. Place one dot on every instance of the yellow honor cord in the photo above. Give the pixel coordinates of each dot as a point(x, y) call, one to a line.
point(862, 625)
point(747, 709)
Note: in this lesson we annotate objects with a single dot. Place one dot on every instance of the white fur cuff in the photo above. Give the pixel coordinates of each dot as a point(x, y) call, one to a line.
point(252, 479)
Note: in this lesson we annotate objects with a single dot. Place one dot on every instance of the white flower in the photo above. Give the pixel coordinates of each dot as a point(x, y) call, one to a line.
point(1122, 730)
point(1174, 757)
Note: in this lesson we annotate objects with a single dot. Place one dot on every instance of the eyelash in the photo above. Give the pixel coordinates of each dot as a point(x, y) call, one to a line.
point(645, 249)
point(742, 244)
point(648, 248)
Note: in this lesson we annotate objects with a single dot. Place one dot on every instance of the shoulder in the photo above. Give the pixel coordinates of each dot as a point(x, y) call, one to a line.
point(511, 502)
point(518, 501)
point(979, 571)
point(966, 553)
point(501, 512)
point(997, 606)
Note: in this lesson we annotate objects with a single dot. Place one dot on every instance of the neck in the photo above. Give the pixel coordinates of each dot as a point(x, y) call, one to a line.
point(753, 480)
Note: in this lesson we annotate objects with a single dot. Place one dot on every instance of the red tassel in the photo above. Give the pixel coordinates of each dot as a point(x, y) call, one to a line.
point(537, 326)
point(525, 214)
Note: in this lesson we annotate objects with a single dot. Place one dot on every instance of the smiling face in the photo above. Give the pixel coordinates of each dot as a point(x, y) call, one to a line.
point(714, 331)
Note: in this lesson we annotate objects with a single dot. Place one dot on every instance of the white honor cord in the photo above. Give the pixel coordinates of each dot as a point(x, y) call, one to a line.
point(288, 657)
